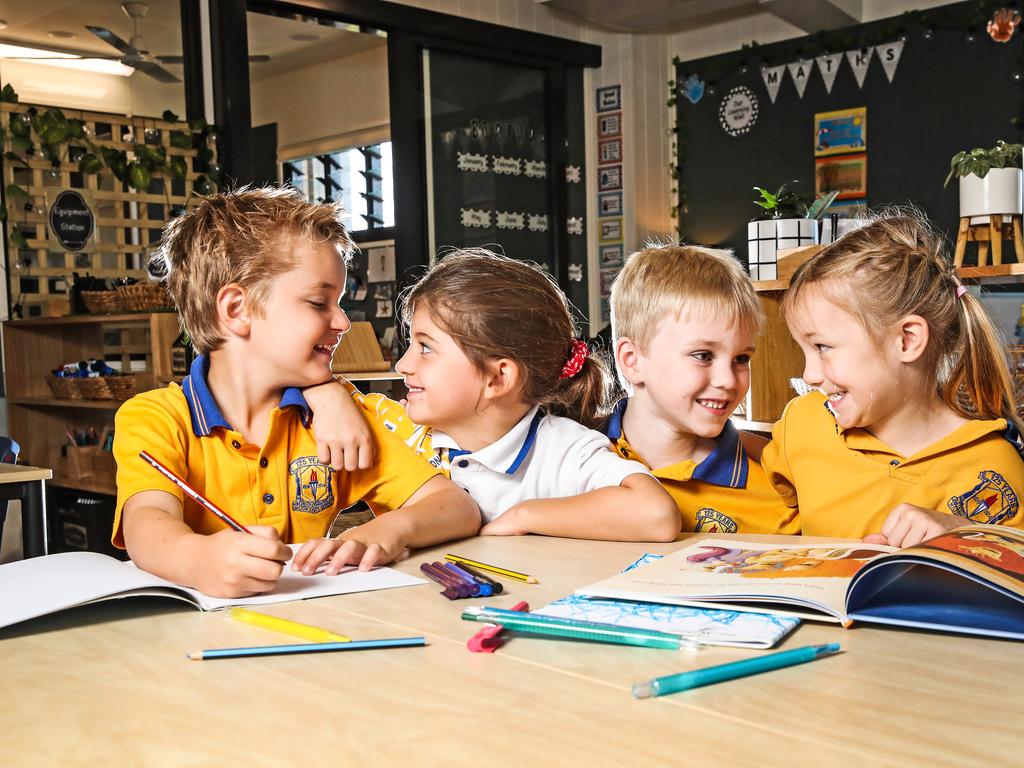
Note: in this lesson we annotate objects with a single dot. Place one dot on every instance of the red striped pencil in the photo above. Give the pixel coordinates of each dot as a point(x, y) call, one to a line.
point(202, 500)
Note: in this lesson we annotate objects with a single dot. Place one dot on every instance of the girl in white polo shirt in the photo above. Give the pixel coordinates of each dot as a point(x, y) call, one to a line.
point(499, 392)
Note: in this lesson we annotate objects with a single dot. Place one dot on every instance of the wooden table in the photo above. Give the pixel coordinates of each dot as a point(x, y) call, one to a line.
point(28, 485)
point(110, 684)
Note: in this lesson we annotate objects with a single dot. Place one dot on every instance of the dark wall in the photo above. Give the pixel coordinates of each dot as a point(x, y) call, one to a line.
point(947, 95)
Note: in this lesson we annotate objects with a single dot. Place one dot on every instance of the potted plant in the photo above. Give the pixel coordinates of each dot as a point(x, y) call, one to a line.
point(990, 181)
point(789, 219)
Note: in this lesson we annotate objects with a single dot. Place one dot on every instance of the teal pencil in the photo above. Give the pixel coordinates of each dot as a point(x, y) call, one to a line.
point(660, 686)
point(282, 650)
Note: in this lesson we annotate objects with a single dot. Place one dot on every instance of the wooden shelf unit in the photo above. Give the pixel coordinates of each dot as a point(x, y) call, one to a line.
point(778, 358)
point(34, 347)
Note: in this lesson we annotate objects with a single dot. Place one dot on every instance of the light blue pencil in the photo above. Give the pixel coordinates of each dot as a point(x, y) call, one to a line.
point(283, 650)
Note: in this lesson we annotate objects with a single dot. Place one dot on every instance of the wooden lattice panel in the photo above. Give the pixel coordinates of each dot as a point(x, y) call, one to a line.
point(128, 223)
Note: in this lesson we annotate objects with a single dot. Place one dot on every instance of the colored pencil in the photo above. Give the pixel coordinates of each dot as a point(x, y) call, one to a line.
point(286, 626)
point(202, 500)
point(491, 568)
point(284, 650)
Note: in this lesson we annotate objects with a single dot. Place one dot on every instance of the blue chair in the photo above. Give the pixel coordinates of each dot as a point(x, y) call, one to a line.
point(9, 450)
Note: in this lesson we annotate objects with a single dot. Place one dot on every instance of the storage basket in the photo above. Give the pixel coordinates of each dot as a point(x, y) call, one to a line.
point(95, 388)
point(64, 389)
point(102, 302)
point(121, 387)
point(144, 297)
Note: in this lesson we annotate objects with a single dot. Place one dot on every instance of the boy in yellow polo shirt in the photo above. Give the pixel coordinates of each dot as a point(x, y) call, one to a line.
point(256, 276)
point(683, 322)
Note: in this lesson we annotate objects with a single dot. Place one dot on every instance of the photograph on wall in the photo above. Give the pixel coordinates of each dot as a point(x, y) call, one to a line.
point(609, 204)
point(611, 230)
point(609, 151)
point(607, 278)
point(843, 131)
point(609, 125)
point(609, 98)
point(846, 173)
point(610, 256)
point(609, 177)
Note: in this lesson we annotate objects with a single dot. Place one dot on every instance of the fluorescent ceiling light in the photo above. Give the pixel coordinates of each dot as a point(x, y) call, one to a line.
point(66, 60)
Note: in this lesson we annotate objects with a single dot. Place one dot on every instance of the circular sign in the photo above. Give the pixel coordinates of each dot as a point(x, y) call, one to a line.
point(71, 220)
point(738, 111)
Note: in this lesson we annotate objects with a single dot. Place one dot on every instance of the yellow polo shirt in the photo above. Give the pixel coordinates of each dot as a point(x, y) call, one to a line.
point(846, 482)
point(727, 492)
point(281, 484)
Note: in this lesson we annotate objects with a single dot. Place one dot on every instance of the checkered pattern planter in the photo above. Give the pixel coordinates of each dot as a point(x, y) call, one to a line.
point(766, 238)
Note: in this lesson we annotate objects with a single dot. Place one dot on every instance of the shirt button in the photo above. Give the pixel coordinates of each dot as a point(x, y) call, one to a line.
point(264, 462)
point(235, 444)
point(894, 463)
point(463, 463)
point(268, 498)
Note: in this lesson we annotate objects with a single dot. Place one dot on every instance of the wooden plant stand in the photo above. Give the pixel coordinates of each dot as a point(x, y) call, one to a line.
point(992, 233)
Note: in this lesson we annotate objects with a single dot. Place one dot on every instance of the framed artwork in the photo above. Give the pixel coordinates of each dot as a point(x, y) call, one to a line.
point(609, 98)
point(609, 204)
point(609, 177)
point(836, 133)
point(609, 151)
point(609, 125)
point(611, 230)
point(610, 256)
point(607, 277)
point(847, 173)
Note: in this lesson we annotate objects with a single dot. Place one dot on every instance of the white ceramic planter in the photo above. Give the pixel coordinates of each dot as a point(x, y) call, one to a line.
point(998, 193)
point(766, 238)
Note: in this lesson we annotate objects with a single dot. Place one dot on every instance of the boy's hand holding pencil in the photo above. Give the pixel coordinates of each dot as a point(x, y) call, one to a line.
point(233, 564)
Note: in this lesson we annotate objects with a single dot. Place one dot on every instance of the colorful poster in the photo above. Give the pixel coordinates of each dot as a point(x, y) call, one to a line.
point(847, 173)
point(843, 131)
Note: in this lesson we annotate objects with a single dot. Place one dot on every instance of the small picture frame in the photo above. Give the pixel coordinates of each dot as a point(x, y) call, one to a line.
point(609, 98)
point(611, 230)
point(609, 177)
point(846, 173)
point(609, 125)
point(610, 256)
point(609, 204)
point(609, 151)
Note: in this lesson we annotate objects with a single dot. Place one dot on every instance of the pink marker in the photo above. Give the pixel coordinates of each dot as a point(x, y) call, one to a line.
point(487, 640)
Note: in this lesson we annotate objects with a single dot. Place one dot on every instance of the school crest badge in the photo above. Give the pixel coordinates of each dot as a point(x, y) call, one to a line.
point(313, 489)
point(991, 501)
point(710, 520)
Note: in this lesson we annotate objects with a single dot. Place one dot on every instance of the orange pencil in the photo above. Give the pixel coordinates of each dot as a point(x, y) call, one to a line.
point(202, 500)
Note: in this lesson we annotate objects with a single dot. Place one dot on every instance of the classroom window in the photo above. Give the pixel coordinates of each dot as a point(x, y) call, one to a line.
point(360, 177)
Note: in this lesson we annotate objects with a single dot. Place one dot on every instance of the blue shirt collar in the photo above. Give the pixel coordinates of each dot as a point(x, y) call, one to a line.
point(726, 465)
point(203, 408)
point(506, 454)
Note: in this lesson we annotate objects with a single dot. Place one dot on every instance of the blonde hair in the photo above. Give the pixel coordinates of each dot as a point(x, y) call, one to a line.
point(897, 266)
point(663, 280)
point(238, 237)
point(495, 307)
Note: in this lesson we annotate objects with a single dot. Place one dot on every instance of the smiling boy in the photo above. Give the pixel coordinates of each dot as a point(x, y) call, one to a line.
point(256, 276)
point(683, 322)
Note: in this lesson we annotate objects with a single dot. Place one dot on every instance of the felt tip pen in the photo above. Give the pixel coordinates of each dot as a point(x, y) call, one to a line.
point(480, 589)
point(482, 578)
point(448, 590)
point(683, 681)
point(286, 626)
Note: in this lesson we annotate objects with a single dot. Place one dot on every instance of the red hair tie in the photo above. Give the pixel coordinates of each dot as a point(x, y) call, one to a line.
point(577, 355)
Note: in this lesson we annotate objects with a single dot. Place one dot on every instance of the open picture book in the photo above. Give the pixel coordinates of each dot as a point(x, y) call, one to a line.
point(967, 580)
point(42, 585)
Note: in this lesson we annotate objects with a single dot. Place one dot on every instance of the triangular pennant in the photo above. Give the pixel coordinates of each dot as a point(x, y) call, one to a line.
point(859, 60)
point(889, 54)
point(800, 71)
point(828, 65)
point(773, 79)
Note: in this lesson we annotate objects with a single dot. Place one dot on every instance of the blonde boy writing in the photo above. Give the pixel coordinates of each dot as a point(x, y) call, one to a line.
point(256, 276)
point(683, 322)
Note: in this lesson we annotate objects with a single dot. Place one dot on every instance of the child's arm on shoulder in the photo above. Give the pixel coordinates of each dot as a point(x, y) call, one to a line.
point(224, 564)
point(908, 525)
point(637, 510)
point(438, 511)
point(343, 438)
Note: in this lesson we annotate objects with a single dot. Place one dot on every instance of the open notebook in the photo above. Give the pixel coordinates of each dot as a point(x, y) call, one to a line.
point(42, 585)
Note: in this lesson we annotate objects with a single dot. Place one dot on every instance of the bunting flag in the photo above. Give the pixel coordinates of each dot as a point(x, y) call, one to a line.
point(800, 71)
point(859, 60)
point(773, 79)
point(828, 65)
point(889, 54)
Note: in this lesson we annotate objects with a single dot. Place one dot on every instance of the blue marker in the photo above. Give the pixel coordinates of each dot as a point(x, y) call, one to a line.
point(660, 686)
point(485, 589)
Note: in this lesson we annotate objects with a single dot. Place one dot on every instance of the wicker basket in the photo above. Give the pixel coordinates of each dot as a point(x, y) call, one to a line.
point(64, 389)
point(102, 302)
point(121, 387)
point(144, 297)
point(95, 388)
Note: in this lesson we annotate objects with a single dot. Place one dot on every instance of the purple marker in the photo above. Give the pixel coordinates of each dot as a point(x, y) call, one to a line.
point(448, 591)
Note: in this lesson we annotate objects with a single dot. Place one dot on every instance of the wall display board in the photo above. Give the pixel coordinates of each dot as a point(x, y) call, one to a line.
point(933, 83)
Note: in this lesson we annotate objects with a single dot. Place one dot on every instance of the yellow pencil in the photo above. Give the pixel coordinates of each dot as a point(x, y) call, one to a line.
point(314, 634)
point(491, 568)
